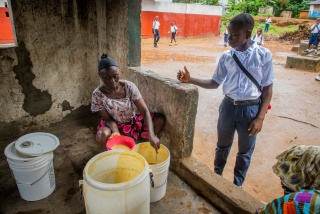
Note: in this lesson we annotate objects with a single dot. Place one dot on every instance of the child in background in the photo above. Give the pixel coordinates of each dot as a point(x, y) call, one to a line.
point(266, 28)
point(315, 30)
point(173, 30)
point(258, 38)
point(226, 36)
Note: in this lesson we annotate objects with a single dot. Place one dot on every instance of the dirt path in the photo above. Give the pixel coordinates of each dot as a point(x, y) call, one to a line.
point(293, 120)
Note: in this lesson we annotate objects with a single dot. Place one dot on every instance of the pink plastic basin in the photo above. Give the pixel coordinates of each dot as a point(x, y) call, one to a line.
point(123, 140)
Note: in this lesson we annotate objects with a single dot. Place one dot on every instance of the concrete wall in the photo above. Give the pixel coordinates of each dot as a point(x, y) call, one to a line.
point(303, 61)
point(303, 14)
point(175, 100)
point(53, 70)
point(116, 43)
point(286, 13)
point(192, 20)
point(219, 191)
point(314, 11)
point(266, 10)
point(134, 31)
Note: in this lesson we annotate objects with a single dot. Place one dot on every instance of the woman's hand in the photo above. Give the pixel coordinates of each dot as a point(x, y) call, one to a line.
point(154, 142)
point(184, 76)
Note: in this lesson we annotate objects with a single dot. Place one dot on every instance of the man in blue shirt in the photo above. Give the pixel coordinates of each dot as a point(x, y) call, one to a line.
point(244, 107)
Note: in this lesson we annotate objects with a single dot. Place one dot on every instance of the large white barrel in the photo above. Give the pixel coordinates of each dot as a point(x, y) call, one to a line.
point(117, 181)
point(159, 165)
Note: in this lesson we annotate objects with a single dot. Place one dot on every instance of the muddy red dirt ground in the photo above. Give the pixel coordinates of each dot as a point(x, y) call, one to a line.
point(293, 119)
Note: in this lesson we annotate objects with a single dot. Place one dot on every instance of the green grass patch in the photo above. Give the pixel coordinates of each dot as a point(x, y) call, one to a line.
point(275, 31)
point(265, 15)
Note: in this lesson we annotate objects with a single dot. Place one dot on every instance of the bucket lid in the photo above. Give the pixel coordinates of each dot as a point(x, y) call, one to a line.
point(36, 144)
point(13, 154)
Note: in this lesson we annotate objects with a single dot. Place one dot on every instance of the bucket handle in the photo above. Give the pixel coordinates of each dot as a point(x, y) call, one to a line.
point(151, 179)
point(18, 182)
point(80, 187)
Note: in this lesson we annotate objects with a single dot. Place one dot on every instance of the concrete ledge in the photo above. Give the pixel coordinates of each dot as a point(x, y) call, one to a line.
point(303, 63)
point(177, 101)
point(220, 192)
point(295, 48)
point(303, 46)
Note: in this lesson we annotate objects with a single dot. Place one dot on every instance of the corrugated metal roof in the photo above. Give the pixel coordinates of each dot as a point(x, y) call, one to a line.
point(314, 2)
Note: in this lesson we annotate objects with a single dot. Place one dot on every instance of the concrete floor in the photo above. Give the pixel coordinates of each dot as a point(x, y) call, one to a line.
point(77, 146)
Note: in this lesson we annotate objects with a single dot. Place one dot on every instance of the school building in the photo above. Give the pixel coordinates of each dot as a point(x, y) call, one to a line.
point(192, 20)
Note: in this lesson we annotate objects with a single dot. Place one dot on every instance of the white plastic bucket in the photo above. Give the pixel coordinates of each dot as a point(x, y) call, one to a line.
point(34, 175)
point(159, 164)
point(116, 181)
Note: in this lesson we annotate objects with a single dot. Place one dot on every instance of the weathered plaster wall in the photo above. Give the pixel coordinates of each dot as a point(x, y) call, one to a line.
point(117, 32)
point(134, 31)
point(53, 70)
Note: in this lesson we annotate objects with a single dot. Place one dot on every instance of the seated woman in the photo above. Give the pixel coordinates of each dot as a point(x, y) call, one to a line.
point(303, 201)
point(115, 100)
point(299, 168)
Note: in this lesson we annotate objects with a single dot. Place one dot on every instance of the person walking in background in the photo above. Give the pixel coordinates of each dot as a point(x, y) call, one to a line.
point(173, 30)
point(258, 38)
point(266, 27)
point(155, 30)
point(313, 40)
point(226, 36)
point(244, 106)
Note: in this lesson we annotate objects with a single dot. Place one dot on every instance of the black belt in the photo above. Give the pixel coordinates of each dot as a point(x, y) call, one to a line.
point(243, 102)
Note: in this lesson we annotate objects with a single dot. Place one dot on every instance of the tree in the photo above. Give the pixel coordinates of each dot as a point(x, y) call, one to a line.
point(296, 6)
point(283, 3)
point(252, 6)
point(207, 2)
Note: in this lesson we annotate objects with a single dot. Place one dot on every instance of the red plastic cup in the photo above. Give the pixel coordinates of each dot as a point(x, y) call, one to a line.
point(122, 140)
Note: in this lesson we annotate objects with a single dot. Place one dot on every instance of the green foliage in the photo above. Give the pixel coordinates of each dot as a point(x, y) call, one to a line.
point(207, 2)
point(274, 31)
point(241, 6)
point(296, 6)
point(227, 16)
point(266, 15)
point(283, 3)
point(252, 6)
point(248, 6)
